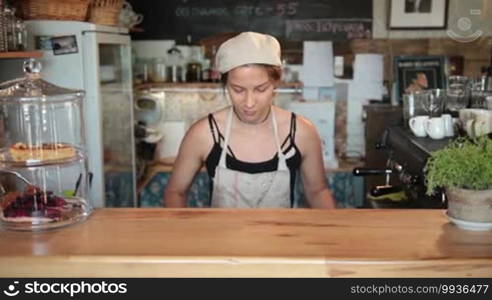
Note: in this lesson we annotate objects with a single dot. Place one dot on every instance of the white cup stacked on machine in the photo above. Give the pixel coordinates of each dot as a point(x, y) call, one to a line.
point(434, 123)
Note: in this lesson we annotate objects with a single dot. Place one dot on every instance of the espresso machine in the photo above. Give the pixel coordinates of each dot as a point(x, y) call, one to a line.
point(404, 172)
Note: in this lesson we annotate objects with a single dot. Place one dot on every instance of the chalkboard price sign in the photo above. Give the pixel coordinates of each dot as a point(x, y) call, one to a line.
point(293, 20)
point(239, 10)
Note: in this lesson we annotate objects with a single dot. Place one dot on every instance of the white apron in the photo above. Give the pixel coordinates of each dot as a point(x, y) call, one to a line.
point(243, 190)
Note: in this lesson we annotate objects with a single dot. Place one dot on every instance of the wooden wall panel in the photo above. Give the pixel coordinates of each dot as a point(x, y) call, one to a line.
point(476, 54)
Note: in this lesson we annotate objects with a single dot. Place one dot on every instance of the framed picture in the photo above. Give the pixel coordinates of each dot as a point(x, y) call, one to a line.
point(64, 44)
point(414, 73)
point(421, 14)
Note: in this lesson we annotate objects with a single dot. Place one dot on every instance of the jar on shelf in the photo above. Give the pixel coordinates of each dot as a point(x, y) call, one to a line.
point(174, 68)
point(141, 70)
point(158, 70)
point(9, 19)
point(3, 28)
point(20, 35)
point(194, 66)
point(44, 178)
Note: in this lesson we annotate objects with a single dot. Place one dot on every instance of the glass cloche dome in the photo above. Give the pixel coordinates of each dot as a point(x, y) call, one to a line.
point(44, 180)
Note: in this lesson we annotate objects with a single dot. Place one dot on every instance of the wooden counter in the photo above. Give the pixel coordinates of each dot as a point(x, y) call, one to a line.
point(258, 243)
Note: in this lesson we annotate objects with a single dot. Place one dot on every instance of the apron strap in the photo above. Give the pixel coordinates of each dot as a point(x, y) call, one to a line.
point(222, 161)
point(282, 165)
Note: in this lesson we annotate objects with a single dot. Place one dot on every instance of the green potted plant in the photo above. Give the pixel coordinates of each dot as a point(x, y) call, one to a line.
point(464, 170)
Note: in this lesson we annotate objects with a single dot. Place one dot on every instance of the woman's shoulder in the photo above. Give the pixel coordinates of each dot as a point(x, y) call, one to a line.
point(306, 133)
point(303, 125)
point(201, 130)
point(284, 117)
point(220, 116)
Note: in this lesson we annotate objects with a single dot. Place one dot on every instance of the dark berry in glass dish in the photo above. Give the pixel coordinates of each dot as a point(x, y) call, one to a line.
point(33, 204)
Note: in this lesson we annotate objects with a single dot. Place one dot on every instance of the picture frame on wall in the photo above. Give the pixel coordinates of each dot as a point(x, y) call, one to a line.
point(414, 73)
point(418, 14)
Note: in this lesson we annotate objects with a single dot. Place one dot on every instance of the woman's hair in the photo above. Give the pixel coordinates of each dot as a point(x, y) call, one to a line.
point(274, 73)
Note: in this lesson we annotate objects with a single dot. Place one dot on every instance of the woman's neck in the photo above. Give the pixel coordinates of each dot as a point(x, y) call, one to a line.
point(247, 125)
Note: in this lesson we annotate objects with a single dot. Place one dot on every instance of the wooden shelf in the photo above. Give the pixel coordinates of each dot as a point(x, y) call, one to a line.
point(21, 54)
point(136, 29)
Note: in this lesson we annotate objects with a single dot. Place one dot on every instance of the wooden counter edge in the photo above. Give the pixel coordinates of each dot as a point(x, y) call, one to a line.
point(151, 266)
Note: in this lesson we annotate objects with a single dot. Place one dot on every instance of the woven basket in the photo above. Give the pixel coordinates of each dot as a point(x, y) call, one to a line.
point(75, 10)
point(105, 12)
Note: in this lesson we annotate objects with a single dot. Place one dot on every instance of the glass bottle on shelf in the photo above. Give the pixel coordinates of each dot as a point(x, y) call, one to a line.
point(194, 66)
point(214, 73)
point(9, 19)
point(3, 28)
point(488, 80)
point(20, 35)
point(206, 71)
point(44, 179)
point(142, 70)
point(286, 72)
point(174, 69)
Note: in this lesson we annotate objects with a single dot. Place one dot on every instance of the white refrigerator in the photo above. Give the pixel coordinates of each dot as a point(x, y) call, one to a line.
point(97, 59)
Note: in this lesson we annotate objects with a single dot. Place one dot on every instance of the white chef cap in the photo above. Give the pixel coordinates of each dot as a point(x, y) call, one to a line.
point(248, 48)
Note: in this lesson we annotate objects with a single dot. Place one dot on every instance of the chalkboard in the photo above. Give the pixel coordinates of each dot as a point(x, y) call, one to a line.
point(293, 20)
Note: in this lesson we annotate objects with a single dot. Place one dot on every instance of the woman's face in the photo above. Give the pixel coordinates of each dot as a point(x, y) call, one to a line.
point(251, 91)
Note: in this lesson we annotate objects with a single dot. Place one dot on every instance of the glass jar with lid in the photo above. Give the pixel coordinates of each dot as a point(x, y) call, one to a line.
point(158, 70)
point(44, 180)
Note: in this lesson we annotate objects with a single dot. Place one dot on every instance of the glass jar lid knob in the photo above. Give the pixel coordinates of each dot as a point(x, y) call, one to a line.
point(32, 67)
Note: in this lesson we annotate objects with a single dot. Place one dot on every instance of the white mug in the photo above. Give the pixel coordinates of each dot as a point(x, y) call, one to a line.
point(434, 127)
point(417, 125)
point(476, 121)
point(488, 102)
point(448, 125)
point(475, 128)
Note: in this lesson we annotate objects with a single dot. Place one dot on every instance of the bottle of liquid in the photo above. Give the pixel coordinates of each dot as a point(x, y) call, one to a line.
point(488, 81)
point(20, 37)
point(206, 71)
point(194, 66)
point(9, 19)
point(174, 69)
point(214, 73)
point(286, 72)
point(483, 79)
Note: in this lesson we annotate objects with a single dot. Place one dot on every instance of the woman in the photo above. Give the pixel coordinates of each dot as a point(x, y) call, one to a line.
point(257, 170)
point(419, 82)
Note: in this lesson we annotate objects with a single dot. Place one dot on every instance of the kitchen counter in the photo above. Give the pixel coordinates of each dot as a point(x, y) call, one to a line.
point(259, 243)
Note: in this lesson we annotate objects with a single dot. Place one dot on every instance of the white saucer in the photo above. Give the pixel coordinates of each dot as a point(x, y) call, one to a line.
point(470, 225)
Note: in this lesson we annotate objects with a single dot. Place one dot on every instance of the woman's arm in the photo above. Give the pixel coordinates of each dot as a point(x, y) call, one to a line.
point(312, 166)
point(188, 163)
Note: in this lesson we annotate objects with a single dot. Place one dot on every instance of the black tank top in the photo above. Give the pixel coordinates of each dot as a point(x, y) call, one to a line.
point(293, 157)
